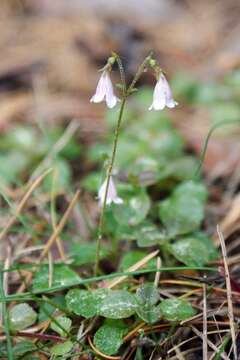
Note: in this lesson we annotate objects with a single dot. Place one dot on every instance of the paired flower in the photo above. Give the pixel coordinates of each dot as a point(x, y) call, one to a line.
point(162, 95)
point(111, 194)
point(105, 90)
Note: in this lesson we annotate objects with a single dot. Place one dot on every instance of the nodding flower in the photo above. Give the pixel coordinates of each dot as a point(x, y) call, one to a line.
point(111, 194)
point(162, 95)
point(104, 91)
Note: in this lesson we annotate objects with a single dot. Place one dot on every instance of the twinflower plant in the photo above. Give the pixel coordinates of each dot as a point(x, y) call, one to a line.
point(162, 96)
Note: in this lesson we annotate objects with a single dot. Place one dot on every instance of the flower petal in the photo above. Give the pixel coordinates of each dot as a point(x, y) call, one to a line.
point(118, 200)
point(101, 89)
point(111, 100)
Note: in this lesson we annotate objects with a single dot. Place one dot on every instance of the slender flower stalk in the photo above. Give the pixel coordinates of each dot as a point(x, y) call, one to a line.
point(162, 97)
point(108, 179)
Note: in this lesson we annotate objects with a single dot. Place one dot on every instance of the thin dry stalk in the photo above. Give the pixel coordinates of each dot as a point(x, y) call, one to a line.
point(60, 226)
point(157, 276)
point(52, 239)
point(50, 269)
point(205, 346)
point(211, 345)
point(6, 266)
point(135, 267)
point(23, 203)
point(57, 147)
point(54, 224)
point(179, 353)
point(229, 292)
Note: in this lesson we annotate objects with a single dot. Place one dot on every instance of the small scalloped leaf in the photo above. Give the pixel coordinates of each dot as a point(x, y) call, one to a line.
point(86, 303)
point(147, 294)
point(64, 322)
point(21, 316)
point(109, 337)
point(176, 309)
point(62, 348)
point(119, 304)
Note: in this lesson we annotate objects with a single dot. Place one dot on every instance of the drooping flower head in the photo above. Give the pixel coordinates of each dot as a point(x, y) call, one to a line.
point(162, 95)
point(111, 194)
point(104, 91)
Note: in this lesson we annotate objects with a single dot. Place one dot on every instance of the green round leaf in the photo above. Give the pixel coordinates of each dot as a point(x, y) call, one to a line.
point(176, 309)
point(62, 348)
point(133, 210)
point(85, 253)
point(64, 324)
point(147, 295)
point(190, 251)
point(62, 275)
point(21, 316)
point(23, 347)
point(86, 303)
point(119, 304)
point(109, 337)
point(147, 234)
point(149, 314)
point(183, 212)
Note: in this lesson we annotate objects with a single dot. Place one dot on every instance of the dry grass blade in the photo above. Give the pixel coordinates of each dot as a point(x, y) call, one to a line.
point(205, 346)
point(157, 276)
point(211, 345)
point(229, 292)
point(23, 203)
point(135, 267)
point(58, 146)
point(52, 239)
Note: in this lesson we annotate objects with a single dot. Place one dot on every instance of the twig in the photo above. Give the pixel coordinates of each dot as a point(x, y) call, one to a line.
point(229, 292)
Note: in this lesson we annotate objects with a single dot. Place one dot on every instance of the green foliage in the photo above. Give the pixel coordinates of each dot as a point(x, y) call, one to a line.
point(175, 309)
point(147, 234)
point(85, 253)
point(183, 211)
point(131, 258)
point(86, 303)
point(133, 210)
point(109, 337)
point(62, 348)
point(65, 324)
point(60, 178)
point(62, 275)
point(21, 316)
point(119, 304)
point(147, 297)
point(23, 148)
point(24, 347)
point(194, 250)
point(46, 309)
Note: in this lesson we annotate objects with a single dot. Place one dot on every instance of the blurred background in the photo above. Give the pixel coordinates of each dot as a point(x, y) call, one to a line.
point(51, 51)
